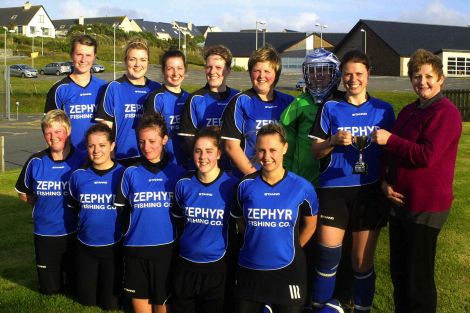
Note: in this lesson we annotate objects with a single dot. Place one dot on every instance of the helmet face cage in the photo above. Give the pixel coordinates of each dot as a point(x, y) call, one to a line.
point(321, 73)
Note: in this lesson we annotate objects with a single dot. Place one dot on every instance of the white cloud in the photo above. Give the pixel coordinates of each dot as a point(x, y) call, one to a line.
point(437, 13)
point(74, 9)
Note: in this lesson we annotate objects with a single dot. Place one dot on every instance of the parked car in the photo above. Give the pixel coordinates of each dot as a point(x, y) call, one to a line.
point(23, 70)
point(300, 85)
point(95, 68)
point(55, 68)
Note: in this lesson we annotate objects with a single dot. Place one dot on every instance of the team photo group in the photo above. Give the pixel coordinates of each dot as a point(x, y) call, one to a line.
point(152, 199)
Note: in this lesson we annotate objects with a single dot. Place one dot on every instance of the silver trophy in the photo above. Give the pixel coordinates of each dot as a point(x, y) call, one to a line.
point(360, 143)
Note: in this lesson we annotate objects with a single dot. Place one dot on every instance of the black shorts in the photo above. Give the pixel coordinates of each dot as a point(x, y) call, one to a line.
point(146, 272)
point(283, 286)
point(99, 275)
point(357, 208)
point(54, 263)
point(199, 287)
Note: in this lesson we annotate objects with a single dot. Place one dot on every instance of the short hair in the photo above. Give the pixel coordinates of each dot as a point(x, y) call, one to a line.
point(154, 120)
point(355, 56)
point(273, 129)
point(56, 117)
point(138, 44)
point(85, 40)
point(212, 132)
point(172, 53)
point(421, 57)
point(100, 128)
point(266, 54)
point(221, 51)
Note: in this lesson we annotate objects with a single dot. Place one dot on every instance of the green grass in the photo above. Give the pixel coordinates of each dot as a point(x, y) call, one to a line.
point(18, 284)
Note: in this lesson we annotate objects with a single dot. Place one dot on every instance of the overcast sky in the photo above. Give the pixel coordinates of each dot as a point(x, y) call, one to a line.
point(300, 15)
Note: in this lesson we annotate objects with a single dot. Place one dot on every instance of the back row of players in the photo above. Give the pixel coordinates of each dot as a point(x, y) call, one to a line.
point(160, 131)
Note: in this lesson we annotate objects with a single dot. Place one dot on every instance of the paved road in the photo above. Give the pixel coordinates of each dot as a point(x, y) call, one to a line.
point(24, 137)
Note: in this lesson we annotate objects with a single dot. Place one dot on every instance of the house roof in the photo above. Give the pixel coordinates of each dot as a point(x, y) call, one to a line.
point(23, 17)
point(334, 38)
point(405, 38)
point(195, 30)
point(242, 44)
point(158, 27)
point(109, 20)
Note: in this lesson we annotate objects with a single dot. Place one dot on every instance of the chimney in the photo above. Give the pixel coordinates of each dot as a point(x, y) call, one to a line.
point(27, 5)
point(190, 26)
point(81, 20)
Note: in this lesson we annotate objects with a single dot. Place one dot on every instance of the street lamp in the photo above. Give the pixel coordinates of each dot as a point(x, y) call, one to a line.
point(114, 51)
point(321, 32)
point(5, 51)
point(256, 31)
point(365, 40)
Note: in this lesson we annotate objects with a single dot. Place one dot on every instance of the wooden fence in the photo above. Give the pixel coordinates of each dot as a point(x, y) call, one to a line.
point(461, 98)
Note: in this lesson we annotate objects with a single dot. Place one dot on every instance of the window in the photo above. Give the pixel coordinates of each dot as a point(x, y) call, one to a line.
point(41, 19)
point(458, 66)
point(13, 17)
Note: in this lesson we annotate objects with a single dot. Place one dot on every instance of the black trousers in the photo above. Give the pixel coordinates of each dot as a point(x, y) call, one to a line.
point(412, 256)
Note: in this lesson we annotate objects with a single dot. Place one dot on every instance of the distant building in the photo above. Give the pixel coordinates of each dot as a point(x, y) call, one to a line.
point(293, 46)
point(122, 22)
point(29, 20)
point(389, 45)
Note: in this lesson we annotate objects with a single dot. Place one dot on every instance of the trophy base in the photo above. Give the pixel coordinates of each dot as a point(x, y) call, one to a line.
point(360, 168)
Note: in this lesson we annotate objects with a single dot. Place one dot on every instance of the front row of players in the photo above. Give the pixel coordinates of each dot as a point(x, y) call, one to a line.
point(132, 214)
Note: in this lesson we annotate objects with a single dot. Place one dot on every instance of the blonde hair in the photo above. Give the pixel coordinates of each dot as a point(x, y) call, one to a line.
point(56, 117)
point(138, 44)
point(266, 54)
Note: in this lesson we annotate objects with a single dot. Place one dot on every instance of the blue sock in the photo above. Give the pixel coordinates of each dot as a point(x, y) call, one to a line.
point(324, 278)
point(364, 289)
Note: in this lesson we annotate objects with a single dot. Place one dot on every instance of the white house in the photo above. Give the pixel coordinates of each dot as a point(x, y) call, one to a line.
point(29, 20)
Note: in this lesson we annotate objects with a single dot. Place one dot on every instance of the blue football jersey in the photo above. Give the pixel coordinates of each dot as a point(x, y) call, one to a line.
point(204, 108)
point(247, 113)
point(48, 181)
point(79, 103)
point(337, 169)
point(169, 105)
point(149, 190)
point(205, 209)
point(123, 104)
point(272, 214)
point(92, 192)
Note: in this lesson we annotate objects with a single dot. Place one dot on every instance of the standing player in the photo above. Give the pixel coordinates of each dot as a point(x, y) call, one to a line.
point(276, 214)
point(78, 93)
point(92, 191)
point(349, 199)
point(205, 106)
point(251, 109)
point(322, 76)
point(169, 101)
point(204, 200)
point(43, 183)
point(122, 105)
point(147, 189)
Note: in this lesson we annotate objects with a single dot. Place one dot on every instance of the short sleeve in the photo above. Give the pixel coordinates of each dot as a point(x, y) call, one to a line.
point(24, 184)
point(123, 190)
point(321, 126)
point(105, 111)
point(233, 117)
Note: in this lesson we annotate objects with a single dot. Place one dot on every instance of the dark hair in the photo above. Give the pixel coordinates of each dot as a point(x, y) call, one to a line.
point(212, 132)
point(85, 40)
point(221, 51)
point(355, 56)
point(421, 57)
point(155, 120)
point(266, 54)
point(273, 129)
point(172, 54)
point(100, 128)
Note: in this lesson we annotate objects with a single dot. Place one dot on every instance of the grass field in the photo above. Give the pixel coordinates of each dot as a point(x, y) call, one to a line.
point(18, 284)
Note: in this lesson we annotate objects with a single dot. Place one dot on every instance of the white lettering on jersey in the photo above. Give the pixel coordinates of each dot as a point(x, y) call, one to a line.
point(359, 130)
point(96, 198)
point(147, 196)
point(206, 213)
point(214, 121)
point(270, 214)
point(82, 108)
point(261, 123)
point(174, 119)
point(133, 107)
point(51, 185)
